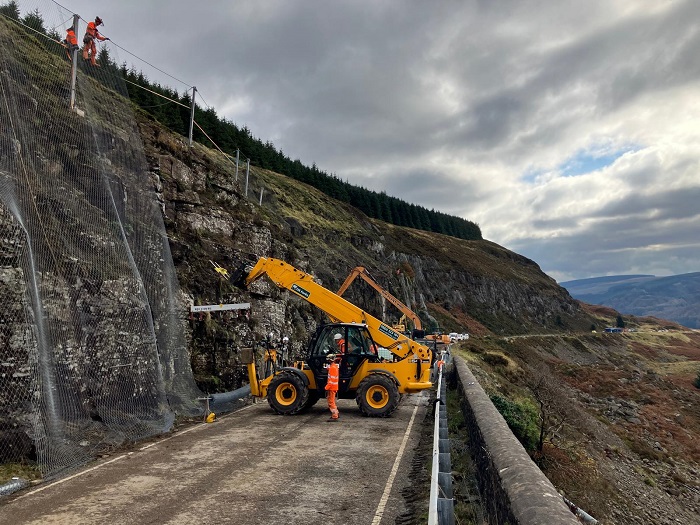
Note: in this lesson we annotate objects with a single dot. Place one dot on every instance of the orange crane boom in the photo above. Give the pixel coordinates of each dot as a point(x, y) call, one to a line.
point(361, 271)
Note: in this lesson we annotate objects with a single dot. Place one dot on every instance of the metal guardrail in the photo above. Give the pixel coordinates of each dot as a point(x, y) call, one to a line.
point(441, 507)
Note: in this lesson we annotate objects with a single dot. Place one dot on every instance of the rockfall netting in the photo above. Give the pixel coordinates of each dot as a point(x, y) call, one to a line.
point(92, 335)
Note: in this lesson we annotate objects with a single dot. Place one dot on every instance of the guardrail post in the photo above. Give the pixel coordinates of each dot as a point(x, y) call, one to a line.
point(446, 511)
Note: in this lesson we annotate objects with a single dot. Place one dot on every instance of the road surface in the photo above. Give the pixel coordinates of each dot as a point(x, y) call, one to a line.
point(250, 467)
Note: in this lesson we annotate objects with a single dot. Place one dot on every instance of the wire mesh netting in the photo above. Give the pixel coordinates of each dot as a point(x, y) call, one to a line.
point(92, 337)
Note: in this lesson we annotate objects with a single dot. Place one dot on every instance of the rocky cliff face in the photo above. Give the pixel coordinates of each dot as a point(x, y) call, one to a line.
point(454, 285)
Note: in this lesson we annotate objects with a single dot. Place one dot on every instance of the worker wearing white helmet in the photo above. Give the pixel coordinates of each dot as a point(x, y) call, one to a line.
point(340, 342)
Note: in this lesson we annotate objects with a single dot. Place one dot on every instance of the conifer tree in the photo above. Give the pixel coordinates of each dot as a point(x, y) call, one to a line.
point(10, 10)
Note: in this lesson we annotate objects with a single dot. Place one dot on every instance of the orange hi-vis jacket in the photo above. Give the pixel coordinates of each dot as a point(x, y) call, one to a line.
point(333, 376)
point(70, 37)
point(93, 32)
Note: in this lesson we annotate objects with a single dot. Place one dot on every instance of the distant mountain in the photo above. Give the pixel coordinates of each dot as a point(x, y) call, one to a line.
point(676, 298)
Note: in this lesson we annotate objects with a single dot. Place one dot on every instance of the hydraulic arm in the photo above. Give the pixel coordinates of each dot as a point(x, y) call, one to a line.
point(338, 309)
point(364, 274)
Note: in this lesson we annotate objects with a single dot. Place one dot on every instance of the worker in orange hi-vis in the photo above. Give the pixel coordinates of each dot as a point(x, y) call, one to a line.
point(70, 42)
point(332, 386)
point(340, 342)
point(89, 49)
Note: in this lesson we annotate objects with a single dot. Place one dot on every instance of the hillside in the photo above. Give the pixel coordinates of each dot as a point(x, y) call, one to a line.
point(622, 415)
point(125, 220)
point(676, 297)
point(453, 284)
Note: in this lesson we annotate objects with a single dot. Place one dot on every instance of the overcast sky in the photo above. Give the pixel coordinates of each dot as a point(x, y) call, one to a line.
point(568, 130)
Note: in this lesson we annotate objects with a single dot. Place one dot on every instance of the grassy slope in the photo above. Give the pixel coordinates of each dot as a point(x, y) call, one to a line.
point(633, 412)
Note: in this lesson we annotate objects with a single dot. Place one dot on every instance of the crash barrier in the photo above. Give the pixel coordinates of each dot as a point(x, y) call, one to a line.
point(513, 489)
point(441, 506)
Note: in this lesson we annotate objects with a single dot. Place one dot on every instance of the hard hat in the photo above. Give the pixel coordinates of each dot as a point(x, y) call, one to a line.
point(285, 339)
point(330, 357)
point(98, 21)
point(337, 336)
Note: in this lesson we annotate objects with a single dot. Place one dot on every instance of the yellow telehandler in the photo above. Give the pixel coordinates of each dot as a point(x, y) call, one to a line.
point(377, 364)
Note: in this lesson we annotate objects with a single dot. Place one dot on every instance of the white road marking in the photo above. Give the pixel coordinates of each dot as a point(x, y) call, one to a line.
point(81, 473)
point(390, 482)
point(87, 471)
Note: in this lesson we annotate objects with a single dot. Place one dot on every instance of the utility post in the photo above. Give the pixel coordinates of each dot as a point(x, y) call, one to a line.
point(238, 155)
point(261, 194)
point(247, 172)
point(74, 65)
point(194, 91)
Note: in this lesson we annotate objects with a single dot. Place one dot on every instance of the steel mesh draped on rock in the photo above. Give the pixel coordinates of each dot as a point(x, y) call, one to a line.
point(92, 343)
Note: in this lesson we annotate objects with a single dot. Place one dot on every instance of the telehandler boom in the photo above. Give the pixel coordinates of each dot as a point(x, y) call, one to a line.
point(377, 364)
point(362, 272)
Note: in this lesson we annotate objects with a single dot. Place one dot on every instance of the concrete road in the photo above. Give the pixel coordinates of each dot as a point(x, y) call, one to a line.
point(250, 467)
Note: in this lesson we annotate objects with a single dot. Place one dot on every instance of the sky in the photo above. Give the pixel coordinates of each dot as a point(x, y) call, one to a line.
point(568, 130)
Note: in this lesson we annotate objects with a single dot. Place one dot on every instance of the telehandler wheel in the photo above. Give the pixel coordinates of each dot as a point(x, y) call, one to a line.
point(377, 396)
point(287, 393)
point(314, 396)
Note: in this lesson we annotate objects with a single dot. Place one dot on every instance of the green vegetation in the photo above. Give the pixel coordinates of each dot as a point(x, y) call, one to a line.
point(10, 10)
point(22, 470)
point(467, 505)
point(522, 418)
point(495, 359)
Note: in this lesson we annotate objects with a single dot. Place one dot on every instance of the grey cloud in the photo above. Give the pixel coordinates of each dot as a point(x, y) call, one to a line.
point(422, 99)
point(674, 204)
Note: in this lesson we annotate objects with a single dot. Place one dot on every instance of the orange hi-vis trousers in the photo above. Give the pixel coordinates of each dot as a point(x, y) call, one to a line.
point(330, 396)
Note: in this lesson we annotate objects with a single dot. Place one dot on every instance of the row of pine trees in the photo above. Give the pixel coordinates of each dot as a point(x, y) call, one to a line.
point(230, 138)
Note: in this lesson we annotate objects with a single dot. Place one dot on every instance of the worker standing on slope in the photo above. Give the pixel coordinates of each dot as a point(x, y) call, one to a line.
point(71, 42)
point(332, 386)
point(89, 50)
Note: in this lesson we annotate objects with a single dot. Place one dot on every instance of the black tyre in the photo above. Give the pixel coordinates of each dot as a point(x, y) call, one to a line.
point(287, 393)
point(314, 396)
point(377, 396)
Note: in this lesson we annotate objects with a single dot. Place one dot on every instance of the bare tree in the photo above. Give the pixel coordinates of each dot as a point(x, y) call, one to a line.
point(556, 408)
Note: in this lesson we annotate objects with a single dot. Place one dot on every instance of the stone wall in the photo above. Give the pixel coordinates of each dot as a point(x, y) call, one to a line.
point(513, 489)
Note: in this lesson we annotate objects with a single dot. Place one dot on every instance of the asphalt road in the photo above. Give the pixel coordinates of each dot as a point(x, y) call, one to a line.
point(250, 467)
